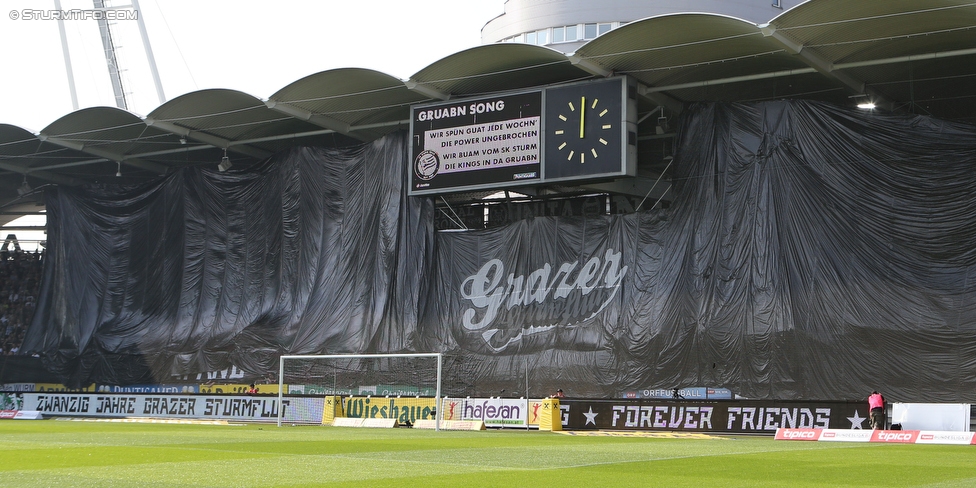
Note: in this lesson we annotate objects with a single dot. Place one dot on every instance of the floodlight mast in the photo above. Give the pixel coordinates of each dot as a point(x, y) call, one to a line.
point(111, 59)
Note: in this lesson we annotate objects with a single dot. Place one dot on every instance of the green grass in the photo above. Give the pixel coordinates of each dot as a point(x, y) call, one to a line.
point(63, 453)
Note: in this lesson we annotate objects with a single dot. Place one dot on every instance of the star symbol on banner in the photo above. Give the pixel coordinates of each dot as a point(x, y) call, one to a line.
point(856, 420)
point(590, 417)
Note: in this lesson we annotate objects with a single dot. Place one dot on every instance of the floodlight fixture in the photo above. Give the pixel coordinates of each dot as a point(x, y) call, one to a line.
point(24, 187)
point(225, 163)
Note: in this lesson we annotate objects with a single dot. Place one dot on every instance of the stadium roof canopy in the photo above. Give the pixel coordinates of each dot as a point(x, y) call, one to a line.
point(907, 56)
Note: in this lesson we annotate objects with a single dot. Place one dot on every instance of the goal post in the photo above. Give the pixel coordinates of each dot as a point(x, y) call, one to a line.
point(408, 375)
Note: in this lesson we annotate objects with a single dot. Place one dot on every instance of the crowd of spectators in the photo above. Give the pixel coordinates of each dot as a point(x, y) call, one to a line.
point(20, 281)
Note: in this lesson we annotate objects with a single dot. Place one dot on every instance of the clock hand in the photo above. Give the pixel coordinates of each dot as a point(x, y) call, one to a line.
point(582, 114)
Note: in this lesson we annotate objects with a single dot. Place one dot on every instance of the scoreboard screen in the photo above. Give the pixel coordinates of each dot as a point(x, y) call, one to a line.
point(476, 143)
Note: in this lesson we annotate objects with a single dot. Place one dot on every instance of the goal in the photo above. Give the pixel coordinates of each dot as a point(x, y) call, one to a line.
point(377, 375)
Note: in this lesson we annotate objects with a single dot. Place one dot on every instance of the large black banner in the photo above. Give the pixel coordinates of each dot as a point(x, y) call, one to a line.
point(316, 251)
point(811, 252)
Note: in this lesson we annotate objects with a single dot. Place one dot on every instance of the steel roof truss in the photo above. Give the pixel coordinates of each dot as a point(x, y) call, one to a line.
point(816, 61)
point(102, 153)
point(215, 141)
point(313, 118)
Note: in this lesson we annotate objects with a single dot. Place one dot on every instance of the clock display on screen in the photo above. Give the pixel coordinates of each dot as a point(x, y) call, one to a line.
point(585, 131)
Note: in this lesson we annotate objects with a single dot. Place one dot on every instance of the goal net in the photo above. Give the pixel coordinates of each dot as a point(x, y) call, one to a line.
point(362, 375)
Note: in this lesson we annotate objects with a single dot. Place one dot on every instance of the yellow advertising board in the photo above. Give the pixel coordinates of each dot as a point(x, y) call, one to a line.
point(551, 417)
point(58, 387)
point(268, 388)
point(237, 389)
point(401, 409)
point(535, 412)
point(332, 410)
point(451, 409)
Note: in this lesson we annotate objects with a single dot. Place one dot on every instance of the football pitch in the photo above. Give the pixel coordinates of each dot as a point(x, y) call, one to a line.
point(88, 453)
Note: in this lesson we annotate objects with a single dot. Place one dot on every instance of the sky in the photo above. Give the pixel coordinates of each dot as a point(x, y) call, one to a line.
point(246, 45)
point(255, 47)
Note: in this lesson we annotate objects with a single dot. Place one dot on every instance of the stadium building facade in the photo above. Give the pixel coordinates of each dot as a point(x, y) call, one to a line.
point(565, 25)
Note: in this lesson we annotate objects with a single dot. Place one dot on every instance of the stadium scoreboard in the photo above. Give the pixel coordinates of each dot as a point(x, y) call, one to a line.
point(581, 131)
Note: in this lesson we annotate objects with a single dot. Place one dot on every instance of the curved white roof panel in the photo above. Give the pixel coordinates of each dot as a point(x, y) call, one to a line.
point(915, 56)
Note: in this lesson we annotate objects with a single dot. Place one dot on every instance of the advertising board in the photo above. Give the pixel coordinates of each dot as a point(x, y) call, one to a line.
point(759, 416)
point(496, 412)
point(402, 409)
point(932, 416)
point(876, 436)
point(248, 408)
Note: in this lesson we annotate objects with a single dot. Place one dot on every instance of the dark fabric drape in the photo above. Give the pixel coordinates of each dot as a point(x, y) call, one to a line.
point(811, 252)
point(205, 270)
